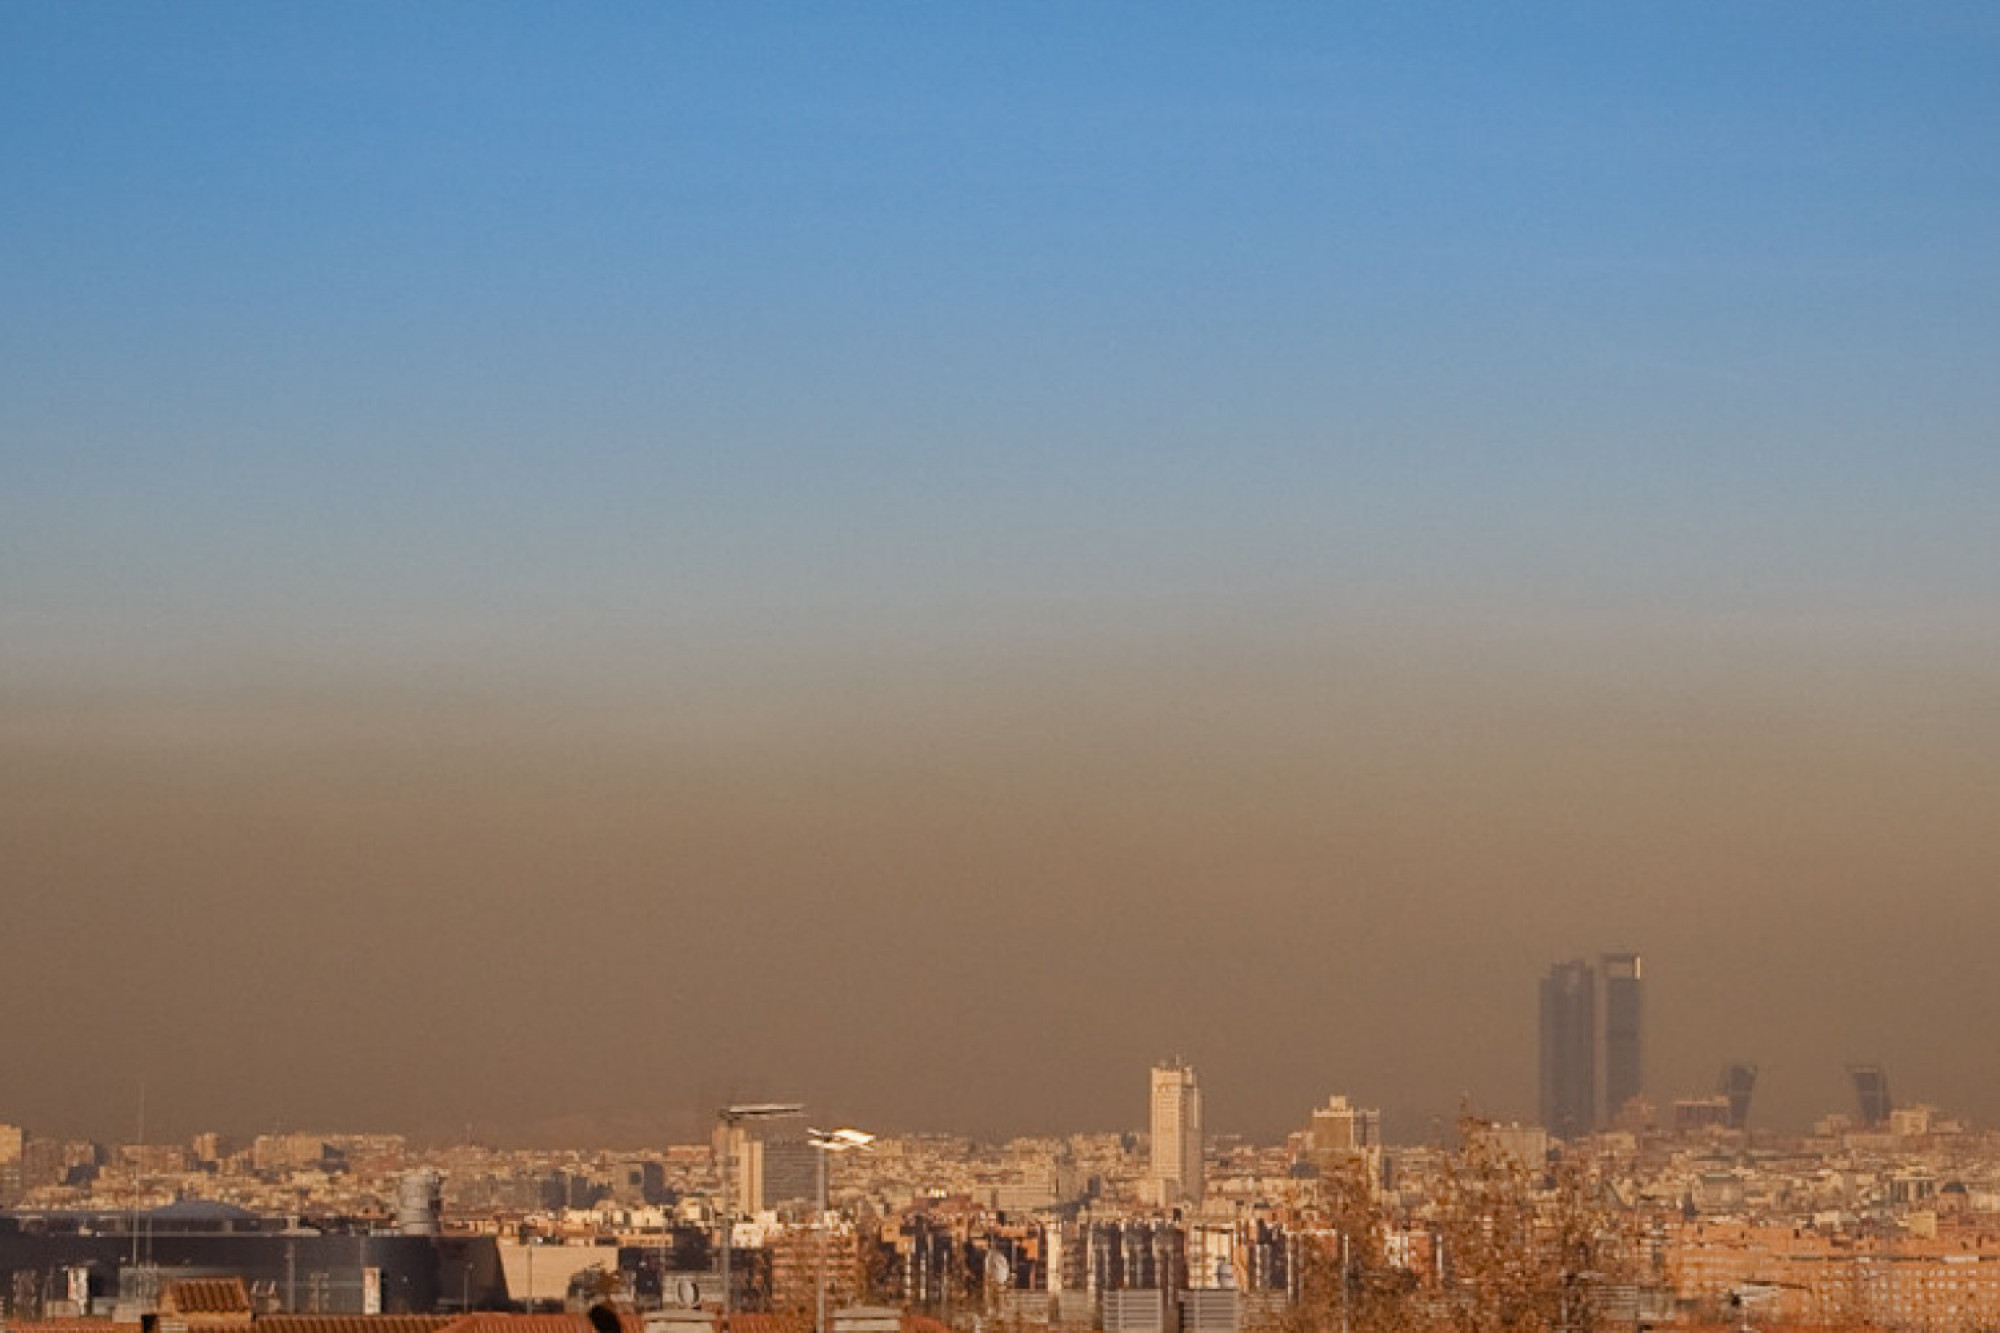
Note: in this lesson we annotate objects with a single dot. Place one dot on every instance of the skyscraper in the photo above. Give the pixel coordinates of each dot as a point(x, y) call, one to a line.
point(1592, 1042)
point(769, 1169)
point(1738, 1082)
point(1569, 1050)
point(1176, 1168)
point(1871, 1090)
point(1622, 978)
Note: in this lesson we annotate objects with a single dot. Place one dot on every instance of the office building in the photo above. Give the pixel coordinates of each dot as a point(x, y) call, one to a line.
point(1592, 1042)
point(1569, 1050)
point(1701, 1115)
point(1871, 1092)
point(1175, 1172)
point(1526, 1146)
point(1343, 1136)
point(1340, 1127)
point(1738, 1082)
point(1621, 978)
point(770, 1169)
point(13, 1150)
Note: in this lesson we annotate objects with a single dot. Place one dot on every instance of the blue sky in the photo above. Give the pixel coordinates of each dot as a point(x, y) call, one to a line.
point(1465, 480)
point(352, 308)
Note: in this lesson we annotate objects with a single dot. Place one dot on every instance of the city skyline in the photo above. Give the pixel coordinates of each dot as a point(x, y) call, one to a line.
point(599, 564)
point(1571, 1109)
point(1859, 1225)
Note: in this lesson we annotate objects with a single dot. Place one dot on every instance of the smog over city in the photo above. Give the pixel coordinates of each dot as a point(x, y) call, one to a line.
point(563, 568)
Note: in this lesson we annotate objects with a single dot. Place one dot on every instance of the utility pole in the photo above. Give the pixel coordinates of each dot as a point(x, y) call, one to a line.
point(1346, 1280)
point(825, 1142)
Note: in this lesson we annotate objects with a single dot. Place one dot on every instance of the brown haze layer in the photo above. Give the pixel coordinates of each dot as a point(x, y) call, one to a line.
point(983, 890)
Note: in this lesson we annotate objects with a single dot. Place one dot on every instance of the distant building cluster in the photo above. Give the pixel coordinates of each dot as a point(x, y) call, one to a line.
point(1887, 1218)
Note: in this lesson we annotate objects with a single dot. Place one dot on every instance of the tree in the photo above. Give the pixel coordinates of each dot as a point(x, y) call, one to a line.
point(1516, 1250)
point(1525, 1252)
point(1347, 1283)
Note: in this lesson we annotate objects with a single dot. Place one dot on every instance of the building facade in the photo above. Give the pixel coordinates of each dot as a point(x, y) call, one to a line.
point(1569, 1050)
point(1175, 1168)
point(770, 1170)
point(1592, 1042)
point(1621, 978)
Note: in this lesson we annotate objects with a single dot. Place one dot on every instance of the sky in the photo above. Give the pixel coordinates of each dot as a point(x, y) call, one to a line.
point(572, 564)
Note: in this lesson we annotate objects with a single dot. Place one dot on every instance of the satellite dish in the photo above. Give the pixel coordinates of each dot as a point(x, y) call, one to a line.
point(998, 1270)
point(687, 1293)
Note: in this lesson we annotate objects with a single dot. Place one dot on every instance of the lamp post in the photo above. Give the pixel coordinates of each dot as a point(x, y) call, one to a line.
point(829, 1141)
point(731, 1117)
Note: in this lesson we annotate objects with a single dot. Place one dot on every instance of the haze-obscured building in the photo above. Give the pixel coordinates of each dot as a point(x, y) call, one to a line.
point(1174, 1172)
point(1592, 1044)
point(770, 1167)
point(1569, 1050)
point(1871, 1094)
point(1737, 1083)
point(1621, 977)
point(1342, 1134)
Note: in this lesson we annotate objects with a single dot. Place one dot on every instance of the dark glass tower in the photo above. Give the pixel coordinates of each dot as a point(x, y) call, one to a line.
point(1569, 1050)
point(1871, 1090)
point(1738, 1082)
point(1593, 1052)
point(1624, 1007)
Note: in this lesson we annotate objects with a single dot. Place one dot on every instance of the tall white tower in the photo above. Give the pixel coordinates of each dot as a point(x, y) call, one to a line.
point(1176, 1174)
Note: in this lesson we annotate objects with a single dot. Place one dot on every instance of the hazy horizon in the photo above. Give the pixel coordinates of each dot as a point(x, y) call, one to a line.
point(1312, 867)
point(566, 565)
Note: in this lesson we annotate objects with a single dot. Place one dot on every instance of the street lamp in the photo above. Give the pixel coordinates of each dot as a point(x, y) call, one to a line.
point(829, 1141)
point(731, 1117)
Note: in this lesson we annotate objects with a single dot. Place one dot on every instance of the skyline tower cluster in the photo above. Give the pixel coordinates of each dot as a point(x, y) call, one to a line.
point(1592, 1041)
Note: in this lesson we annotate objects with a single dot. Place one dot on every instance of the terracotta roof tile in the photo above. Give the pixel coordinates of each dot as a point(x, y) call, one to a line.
point(756, 1322)
point(207, 1296)
point(354, 1323)
point(484, 1321)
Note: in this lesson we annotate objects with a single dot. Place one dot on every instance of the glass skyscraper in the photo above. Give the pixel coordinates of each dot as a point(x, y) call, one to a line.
point(1592, 1049)
point(1569, 1050)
